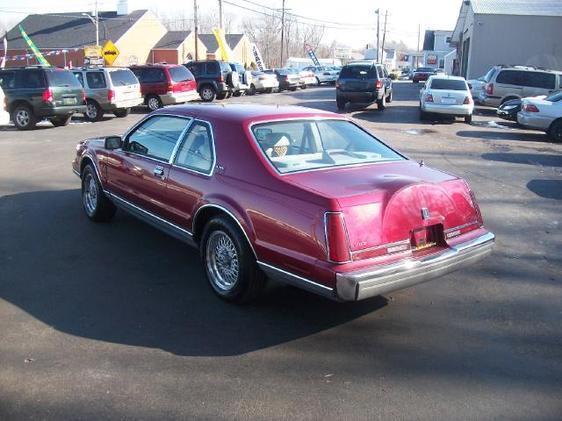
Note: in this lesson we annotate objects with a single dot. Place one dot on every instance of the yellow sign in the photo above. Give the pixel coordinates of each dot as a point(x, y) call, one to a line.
point(92, 51)
point(109, 52)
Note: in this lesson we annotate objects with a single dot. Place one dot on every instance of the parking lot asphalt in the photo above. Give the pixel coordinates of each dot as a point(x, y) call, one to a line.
point(115, 321)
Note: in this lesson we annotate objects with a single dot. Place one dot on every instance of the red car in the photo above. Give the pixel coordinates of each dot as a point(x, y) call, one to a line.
point(299, 195)
point(165, 84)
point(421, 74)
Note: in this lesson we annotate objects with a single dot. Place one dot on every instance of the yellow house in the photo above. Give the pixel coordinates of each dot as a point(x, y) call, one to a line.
point(177, 47)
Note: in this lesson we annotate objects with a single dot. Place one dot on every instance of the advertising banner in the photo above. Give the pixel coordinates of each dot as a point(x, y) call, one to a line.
point(312, 55)
point(257, 57)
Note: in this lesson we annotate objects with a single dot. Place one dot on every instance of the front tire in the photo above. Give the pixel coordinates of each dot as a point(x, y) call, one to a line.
point(93, 111)
point(122, 112)
point(23, 118)
point(61, 121)
point(96, 204)
point(153, 102)
point(230, 266)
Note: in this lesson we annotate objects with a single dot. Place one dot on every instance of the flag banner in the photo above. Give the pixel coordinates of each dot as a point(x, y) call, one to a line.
point(312, 55)
point(257, 57)
point(223, 46)
point(33, 48)
point(3, 62)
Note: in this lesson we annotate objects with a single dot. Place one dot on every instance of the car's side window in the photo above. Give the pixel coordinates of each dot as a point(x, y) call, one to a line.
point(96, 80)
point(212, 68)
point(542, 80)
point(196, 150)
point(156, 137)
point(30, 79)
point(8, 80)
point(80, 77)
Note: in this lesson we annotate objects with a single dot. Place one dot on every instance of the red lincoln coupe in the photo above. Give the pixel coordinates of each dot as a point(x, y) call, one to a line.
point(299, 195)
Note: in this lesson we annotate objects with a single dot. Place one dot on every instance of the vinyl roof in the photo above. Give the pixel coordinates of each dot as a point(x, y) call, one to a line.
point(70, 30)
point(518, 7)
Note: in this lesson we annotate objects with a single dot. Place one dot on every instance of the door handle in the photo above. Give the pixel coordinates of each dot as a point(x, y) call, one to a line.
point(158, 172)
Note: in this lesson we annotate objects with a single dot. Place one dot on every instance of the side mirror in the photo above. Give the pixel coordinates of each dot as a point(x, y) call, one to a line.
point(113, 142)
point(470, 86)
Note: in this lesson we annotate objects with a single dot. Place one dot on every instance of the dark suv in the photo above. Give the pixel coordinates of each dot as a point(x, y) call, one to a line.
point(165, 84)
point(363, 82)
point(215, 79)
point(35, 93)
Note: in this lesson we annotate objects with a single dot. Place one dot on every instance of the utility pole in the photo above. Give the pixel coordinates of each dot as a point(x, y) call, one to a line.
point(195, 29)
point(221, 22)
point(97, 24)
point(378, 12)
point(282, 31)
point(419, 35)
point(384, 35)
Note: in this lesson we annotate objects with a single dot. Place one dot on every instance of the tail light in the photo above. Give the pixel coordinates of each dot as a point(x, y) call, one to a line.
point(83, 96)
point(467, 100)
point(429, 98)
point(337, 241)
point(47, 95)
point(262, 78)
point(221, 78)
point(338, 85)
point(378, 85)
point(490, 89)
point(110, 95)
point(531, 108)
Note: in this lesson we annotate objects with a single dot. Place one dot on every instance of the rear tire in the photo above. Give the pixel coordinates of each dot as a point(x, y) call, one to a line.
point(468, 119)
point(555, 131)
point(252, 90)
point(153, 102)
point(95, 203)
point(269, 90)
point(389, 97)
point(424, 116)
point(229, 263)
point(23, 117)
point(340, 104)
point(93, 111)
point(381, 103)
point(60, 121)
point(122, 112)
point(207, 93)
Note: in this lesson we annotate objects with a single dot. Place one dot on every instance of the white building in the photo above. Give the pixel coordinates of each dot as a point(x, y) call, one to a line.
point(490, 32)
point(300, 62)
point(436, 47)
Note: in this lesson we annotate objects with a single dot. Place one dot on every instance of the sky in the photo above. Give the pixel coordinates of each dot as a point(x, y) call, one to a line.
point(354, 20)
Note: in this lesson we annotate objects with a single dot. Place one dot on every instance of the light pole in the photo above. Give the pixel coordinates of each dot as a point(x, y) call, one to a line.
point(95, 21)
point(378, 31)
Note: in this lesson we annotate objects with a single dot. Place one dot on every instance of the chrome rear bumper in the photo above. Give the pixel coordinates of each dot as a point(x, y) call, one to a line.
point(384, 279)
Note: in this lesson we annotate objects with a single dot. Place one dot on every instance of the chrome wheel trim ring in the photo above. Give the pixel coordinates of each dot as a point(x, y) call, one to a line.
point(90, 194)
point(223, 264)
point(153, 103)
point(22, 117)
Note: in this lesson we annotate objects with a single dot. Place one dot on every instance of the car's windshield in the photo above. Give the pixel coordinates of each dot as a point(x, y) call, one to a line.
point(123, 77)
point(285, 72)
point(304, 145)
point(448, 84)
point(554, 97)
point(63, 78)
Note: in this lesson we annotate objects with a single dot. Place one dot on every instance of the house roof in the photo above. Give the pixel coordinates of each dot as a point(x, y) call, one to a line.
point(518, 7)
point(172, 40)
point(210, 41)
point(428, 40)
point(71, 30)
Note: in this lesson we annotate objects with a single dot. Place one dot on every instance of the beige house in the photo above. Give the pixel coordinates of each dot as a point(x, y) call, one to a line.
point(177, 47)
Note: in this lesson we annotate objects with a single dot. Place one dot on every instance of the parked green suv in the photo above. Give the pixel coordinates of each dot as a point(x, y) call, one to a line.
point(35, 93)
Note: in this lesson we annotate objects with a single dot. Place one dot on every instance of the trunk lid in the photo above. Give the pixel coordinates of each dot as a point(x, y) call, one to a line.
point(448, 97)
point(65, 88)
point(393, 203)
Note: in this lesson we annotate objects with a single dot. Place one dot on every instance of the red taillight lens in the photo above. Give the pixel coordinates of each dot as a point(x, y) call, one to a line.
point(429, 98)
point(221, 78)
point(47, 95)
point(110, 95)
point(467, 100)
point(378, 84)
point(337, 241)
point(83, 96)
point(490, 89)
point(531, 108)
point(338, 84)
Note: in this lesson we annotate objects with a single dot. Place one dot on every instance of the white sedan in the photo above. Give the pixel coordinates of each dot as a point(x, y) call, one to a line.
point(543, 113)
point(4, 114)
point(323, 74)
point(263, 82)
point(446, 95)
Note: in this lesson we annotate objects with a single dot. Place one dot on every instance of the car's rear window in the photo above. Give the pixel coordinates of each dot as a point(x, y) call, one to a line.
point(180, 74)
point(302, 145)
point(554, 97)
point(62, 78)
point(448, 85)
point(424, 69)
point(358, 71)
point(225, 67)
point(123, 77)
